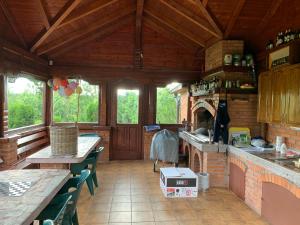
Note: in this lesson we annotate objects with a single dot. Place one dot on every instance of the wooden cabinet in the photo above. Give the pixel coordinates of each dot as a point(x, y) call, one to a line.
point(279, 92)
point(293, 97)
point(264, 98)
point(278, 95)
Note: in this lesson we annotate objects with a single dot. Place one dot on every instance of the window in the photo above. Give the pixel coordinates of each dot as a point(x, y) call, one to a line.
point(65, 108)
point(25, 99)
point(128, 106)
point(167, 105)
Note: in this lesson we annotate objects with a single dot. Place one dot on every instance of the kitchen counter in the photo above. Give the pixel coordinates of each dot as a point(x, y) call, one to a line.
point(201, 143)
point(268, 161)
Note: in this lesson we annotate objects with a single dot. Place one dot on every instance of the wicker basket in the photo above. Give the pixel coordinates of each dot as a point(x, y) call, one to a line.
point(64, 140)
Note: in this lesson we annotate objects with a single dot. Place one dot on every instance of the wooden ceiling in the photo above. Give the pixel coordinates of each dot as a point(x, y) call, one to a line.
point(136, 34)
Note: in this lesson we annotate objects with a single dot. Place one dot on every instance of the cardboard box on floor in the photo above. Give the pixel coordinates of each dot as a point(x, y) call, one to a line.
point(178, 182)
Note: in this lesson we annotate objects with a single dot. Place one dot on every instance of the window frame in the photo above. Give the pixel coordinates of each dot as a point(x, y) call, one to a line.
point(97, 123)
point(177, 109)
point(25, 129)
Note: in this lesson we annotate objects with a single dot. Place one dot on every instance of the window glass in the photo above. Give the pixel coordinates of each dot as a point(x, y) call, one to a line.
point(127, 106)
point(25, 99)
point(65, 109)
point(167, 105)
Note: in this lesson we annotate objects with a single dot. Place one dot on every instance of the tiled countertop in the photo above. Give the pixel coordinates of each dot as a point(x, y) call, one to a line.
point(275, 168)
point(24, 209)
point(85, 146)
point(201, 146)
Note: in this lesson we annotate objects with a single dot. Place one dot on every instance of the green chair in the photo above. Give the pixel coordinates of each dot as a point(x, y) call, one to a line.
point(89, 163)
point(48, 222)
point(70, 190)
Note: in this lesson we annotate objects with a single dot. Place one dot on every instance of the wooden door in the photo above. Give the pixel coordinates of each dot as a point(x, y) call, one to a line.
point(278, 96)
point(293, 93)
point(264, 98)
point(126, 121)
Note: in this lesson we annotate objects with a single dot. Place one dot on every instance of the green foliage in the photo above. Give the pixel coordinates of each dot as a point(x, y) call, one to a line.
point(25, 109)
point(166, 107)
point(65, 108)
point(128, 108)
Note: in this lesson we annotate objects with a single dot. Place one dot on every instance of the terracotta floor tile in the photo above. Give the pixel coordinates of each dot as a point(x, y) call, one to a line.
point(120, 217)
point(140, 207)
point(96, 218)
point(129, 194)
point(121, 207)
point(121, 199)
point(142, 216)
point(164, 216)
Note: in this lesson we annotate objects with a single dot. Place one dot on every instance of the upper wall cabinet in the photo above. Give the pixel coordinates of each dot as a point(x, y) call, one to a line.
point(264, 97)
point(279, 92)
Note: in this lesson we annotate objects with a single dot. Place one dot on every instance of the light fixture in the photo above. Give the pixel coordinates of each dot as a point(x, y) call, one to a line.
point(50, 62)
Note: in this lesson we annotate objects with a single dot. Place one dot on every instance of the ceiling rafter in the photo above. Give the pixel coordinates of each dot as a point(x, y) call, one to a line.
point(270, 13)
point(43, 13)
point(176, 29)
point(138, 61)
point(205, 2)
point(86, 10)
point(207, 15)
point(12, 22)
point(192, 20)
point(100, 33)
point(235, 14)
point(87, 30)
point(170, 34)
point(67, 9)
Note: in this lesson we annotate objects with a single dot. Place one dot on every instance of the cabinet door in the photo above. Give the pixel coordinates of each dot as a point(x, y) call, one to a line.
point(264, 98)
point(278, 96)
point(293, 95)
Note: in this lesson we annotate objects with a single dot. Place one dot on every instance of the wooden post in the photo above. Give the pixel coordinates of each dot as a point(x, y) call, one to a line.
point(48, 105)
point(102, 104)
point(2, 103)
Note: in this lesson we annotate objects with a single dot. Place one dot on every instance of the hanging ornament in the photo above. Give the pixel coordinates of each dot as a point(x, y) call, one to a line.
point(78, 90)
point(61, 91)
point(68, 91)
point(55, 88)
point(64, 83)
point(56, 81)
point(73, 85)
point(50, 83)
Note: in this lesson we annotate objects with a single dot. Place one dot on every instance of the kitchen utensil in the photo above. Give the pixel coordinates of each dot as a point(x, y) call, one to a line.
point(279, 141)
point(283, 149)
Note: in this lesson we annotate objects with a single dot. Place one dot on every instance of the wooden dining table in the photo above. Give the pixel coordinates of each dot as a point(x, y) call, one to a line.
point(47, 160)
point(25, 193)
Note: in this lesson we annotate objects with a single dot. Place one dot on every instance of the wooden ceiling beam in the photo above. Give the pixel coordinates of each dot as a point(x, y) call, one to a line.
point(170, 34)
point(12, 22)
point(87, 10)
point(7, 46)
point(101, 33)
point(62, 41)
point(190, 19)
point(235, 14)
point(67, 9)
point(207, 15)
point(270, 13)
point(138, 59)
point(175, 28)
point(43, 13)
point(100, 73)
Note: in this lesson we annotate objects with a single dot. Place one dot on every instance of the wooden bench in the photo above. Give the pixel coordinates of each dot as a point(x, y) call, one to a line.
point(29, 143)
